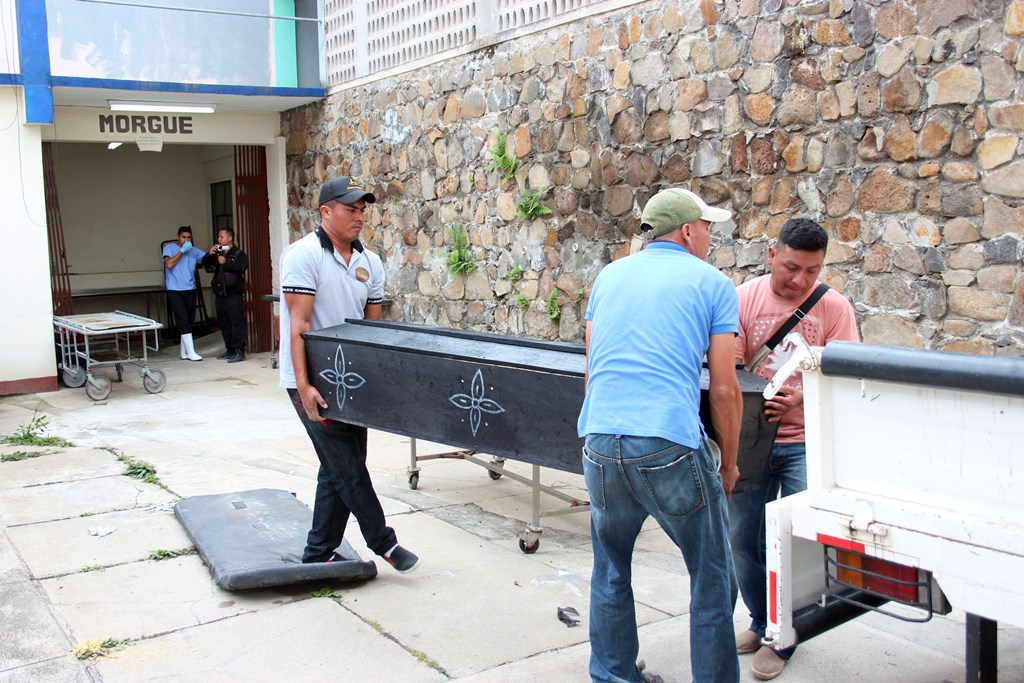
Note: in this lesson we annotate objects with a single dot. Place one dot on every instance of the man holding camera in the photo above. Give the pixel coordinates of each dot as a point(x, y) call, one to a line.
point(228, 264)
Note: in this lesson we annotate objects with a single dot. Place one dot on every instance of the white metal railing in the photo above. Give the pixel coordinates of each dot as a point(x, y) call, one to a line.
point(366, 37)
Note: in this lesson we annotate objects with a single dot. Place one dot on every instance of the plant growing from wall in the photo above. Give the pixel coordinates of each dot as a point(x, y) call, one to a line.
point(529, 206)
point(579, 294)
point(500, 159)
point(521, 301)
point(459, 260)
point(515, 275)
point(554, 310)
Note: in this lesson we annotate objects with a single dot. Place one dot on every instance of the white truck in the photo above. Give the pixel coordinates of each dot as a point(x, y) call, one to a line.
point(915, 474)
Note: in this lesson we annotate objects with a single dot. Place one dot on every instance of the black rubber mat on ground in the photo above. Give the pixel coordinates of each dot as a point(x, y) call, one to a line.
point(254, 539)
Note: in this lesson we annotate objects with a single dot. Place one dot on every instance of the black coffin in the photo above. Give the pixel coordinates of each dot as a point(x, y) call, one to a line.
point(505, 396)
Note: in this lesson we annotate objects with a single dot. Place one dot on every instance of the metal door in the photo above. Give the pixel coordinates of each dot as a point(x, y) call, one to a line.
point(60, 280)
point(252, 230)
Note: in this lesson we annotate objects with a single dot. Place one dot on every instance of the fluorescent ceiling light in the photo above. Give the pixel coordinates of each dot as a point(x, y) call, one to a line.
point(116, 105)
point(114, 145)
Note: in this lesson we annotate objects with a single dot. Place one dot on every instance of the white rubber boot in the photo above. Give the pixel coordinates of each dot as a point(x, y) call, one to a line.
point(187, 349)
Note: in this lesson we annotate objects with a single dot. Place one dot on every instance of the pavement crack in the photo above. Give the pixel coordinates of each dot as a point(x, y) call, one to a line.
point(418, 654)
point(69, 481)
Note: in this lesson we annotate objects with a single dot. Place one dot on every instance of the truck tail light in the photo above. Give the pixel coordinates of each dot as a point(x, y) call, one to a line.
point(881, 577)
point(850, 572)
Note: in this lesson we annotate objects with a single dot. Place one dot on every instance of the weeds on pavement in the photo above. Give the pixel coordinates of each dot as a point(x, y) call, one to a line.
point(31, 434)
point(96, 648)
point(23, 455)
point(162, 554)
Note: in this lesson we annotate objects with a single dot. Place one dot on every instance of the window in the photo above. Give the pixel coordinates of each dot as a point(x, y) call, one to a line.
point(221, 206)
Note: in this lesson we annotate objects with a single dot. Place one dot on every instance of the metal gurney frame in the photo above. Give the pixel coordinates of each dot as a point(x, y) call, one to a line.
point(529, 537)
point(96, 339)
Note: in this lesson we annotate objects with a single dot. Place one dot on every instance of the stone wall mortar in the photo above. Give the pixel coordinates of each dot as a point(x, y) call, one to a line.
point(897, 125)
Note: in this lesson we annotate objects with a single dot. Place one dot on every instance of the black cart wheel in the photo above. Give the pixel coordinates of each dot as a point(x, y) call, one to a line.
point(414, 481)
point(529, 549)
point(120, 371)
point(73, 376)
point(494, 475)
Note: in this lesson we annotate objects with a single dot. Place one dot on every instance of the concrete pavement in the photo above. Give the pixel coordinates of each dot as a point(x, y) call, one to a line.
point(477, 609)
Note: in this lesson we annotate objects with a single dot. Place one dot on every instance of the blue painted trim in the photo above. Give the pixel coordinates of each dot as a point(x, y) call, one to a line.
point(11, 79)
point(34, 49)
point(204, 88)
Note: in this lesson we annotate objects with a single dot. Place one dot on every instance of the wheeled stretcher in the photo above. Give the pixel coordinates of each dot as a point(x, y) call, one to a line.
point(91, 340)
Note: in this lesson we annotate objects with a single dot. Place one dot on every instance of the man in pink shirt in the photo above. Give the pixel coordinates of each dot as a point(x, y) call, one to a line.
point(766, 303)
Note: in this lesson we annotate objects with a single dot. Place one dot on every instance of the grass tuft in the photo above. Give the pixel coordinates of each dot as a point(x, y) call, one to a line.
point(96, 648)
point(31, 434)
point(23, 455)
point(162, 554)
point(139, 469)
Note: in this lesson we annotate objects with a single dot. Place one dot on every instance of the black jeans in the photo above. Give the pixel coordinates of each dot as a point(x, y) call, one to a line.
point(343, 486)
point(183, 307)
point(231, 317)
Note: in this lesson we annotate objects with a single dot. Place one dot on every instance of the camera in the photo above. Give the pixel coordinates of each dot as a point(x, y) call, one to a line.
point(221, 250)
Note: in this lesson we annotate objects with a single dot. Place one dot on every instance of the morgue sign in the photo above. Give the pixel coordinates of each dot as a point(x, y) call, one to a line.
point(154, 124)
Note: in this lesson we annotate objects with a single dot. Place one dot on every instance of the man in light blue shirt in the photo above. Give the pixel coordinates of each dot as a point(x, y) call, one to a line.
point(180, 259)
point(651, 320)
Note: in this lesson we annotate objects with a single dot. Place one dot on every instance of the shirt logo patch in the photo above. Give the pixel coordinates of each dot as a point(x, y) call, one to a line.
point(362, 274)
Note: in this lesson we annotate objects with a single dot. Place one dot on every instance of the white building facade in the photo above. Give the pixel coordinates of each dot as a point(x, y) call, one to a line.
point(84, 218)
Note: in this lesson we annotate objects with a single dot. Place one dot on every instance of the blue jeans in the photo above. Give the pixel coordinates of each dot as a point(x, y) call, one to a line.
point(630, 478)
point(343, 487)
point(786, 475)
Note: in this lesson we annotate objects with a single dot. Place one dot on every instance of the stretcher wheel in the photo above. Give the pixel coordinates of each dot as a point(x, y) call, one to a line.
point(98, 388)
point(414, 481)
point(73, 376)
point(154, 381)
point(120, 371)
point(529, 548)
point(494, 475)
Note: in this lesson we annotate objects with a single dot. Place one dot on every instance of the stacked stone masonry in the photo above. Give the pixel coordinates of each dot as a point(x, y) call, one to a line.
point(896, 124)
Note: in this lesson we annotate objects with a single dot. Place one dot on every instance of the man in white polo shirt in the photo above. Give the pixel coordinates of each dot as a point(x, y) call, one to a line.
point(326, 277)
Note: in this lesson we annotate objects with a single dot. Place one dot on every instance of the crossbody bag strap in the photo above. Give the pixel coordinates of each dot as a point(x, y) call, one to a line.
point(787, 327)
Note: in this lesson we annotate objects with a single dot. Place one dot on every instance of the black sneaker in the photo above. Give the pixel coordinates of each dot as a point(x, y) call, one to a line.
point(237, 358)
point(226, 354)
point(401, 559)
point(334, 557)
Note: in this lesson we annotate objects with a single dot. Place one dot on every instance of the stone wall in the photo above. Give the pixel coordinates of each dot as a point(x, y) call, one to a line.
point(896, 124)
